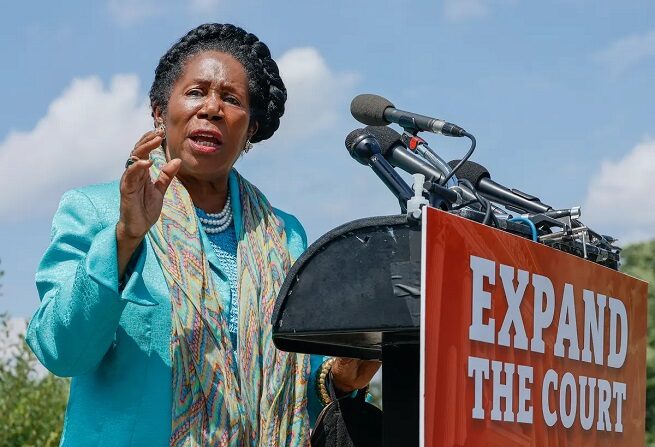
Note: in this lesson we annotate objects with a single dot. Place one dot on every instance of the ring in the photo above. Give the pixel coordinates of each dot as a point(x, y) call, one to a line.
point(130, 161)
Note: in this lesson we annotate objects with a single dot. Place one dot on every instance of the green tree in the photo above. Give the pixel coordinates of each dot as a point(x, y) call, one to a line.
point(32, 404)
point(639, 260)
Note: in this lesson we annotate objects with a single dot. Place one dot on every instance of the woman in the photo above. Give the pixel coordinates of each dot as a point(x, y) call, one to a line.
point(157, 291)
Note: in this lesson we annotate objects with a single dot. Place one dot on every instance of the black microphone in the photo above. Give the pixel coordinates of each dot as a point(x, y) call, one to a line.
point(375, 110)
point(512, 198)
point(364, 148)
point(395, 152)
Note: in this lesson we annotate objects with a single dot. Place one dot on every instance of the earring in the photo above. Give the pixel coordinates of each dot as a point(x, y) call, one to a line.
point(248, 146)
point(162, 128)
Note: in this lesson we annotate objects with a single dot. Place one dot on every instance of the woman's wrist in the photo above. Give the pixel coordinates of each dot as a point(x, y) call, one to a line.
point(126, 234)
point(126, 246)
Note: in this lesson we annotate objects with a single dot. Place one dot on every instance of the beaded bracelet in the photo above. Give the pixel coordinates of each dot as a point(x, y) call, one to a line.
point(321, 383)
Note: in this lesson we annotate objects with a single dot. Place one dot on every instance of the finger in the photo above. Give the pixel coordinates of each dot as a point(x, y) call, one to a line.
point(136, 175)
point(137, 169)
point(367, 369)
point(143, 149)
point(137, 165)
point(351, 374)
point(146, 136)
point(149, 135)
point(371, 363)
point(167, 173)
point(343, 361)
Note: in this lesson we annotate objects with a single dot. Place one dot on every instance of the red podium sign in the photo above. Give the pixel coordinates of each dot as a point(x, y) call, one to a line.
point(524, 345)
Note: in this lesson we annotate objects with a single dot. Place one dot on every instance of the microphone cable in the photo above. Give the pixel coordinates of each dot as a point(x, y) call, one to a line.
point(489, 216)
point(528, 222)
point(463, 160)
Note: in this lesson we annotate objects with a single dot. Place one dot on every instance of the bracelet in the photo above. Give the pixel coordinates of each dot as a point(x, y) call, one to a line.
point(321, 383)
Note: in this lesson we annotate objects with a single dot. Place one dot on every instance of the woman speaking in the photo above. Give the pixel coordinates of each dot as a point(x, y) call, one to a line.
point(157, 290)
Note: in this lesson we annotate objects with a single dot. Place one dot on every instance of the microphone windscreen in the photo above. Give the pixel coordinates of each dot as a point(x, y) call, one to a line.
point(354, 135)
point(369, 109)
point(470, 171)
point(386, 136)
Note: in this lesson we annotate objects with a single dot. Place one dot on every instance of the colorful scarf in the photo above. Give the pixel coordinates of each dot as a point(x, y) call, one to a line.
point(258, 396)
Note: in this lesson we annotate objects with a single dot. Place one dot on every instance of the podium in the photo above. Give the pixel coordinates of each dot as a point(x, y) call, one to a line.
point(356, 293)
point(431, 299)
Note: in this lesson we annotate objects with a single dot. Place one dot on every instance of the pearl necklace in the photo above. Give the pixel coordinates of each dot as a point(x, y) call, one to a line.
point(217, 222)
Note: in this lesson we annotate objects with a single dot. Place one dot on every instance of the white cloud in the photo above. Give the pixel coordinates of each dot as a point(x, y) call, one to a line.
point(627, 52)
point(620, 197)
point(85, 136)
point(317, 96)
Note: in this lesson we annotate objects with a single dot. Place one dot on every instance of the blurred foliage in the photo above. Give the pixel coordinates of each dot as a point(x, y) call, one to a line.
point(639, 260)
point(32, 402)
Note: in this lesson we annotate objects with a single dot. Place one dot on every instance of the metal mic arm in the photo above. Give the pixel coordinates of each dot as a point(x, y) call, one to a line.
point(417, 144)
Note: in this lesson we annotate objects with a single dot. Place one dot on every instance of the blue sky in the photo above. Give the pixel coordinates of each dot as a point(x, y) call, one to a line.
point(559, 95)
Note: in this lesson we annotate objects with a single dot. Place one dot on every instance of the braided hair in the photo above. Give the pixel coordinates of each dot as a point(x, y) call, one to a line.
point(266, 89)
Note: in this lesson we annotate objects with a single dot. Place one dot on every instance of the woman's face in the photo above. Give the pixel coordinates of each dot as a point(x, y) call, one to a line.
point(208, 116)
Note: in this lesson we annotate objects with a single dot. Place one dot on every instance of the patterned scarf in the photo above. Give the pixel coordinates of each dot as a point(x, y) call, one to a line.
point(258, 396)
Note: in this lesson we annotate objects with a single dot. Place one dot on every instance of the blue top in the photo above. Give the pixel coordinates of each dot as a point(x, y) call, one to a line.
point(224, 244)
point(116, 344)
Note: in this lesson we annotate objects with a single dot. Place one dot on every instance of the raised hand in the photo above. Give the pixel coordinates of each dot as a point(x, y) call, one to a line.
point(141, 197)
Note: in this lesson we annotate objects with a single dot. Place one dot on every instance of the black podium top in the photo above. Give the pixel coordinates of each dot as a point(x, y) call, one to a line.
point(355, 284)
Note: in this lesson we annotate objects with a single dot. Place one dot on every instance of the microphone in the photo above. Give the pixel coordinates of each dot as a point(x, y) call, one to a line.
point(512, 198)
point(395, 152)
point(364, 148)
point(375, 110)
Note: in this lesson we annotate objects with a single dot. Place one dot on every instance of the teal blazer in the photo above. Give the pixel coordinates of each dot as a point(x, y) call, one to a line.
point(116, 344)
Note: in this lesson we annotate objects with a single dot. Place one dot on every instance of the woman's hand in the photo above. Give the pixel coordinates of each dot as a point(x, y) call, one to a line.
point(141, 197)
point(349, 375)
